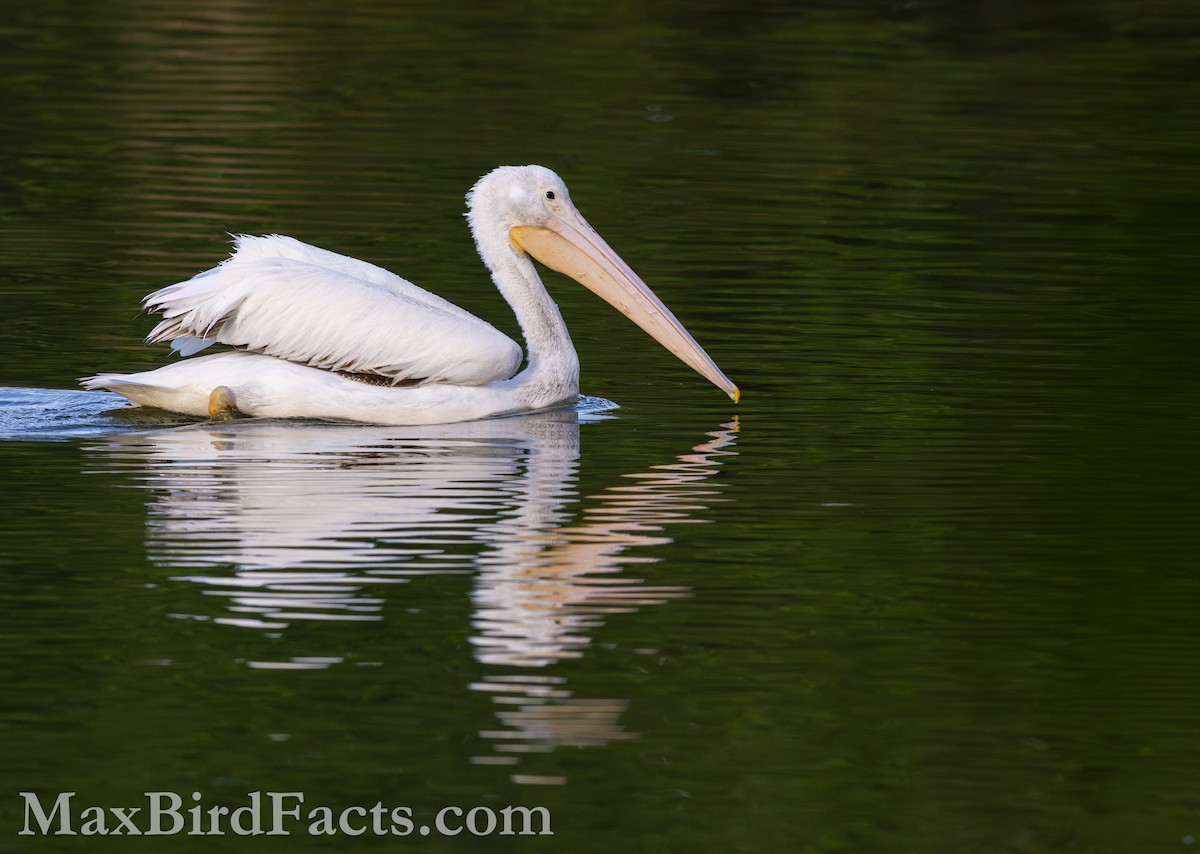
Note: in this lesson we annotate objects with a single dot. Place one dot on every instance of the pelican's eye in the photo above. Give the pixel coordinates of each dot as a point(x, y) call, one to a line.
point(550, 195)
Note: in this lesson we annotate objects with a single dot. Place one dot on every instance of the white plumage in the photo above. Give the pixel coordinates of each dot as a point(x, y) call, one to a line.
point(278, 296)
point(321, 335)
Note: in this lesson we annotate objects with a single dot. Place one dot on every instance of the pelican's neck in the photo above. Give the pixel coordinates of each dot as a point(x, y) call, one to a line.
point(551, 360)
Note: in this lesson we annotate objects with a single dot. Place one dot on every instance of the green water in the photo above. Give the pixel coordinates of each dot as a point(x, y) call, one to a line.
point(931, 586)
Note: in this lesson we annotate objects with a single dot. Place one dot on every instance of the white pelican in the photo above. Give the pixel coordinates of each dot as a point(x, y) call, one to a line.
point(321, 335)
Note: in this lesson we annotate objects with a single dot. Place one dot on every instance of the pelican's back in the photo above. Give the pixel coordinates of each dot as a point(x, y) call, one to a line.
point(279, 296)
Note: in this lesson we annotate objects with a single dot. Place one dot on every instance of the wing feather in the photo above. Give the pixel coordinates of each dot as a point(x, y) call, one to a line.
point(279, 296)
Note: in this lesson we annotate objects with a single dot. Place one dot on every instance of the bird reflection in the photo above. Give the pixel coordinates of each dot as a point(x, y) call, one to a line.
point(544, 587)
point(316, 520)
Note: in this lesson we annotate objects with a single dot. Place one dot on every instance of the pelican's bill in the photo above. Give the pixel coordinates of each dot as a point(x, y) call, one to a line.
point(568, 245)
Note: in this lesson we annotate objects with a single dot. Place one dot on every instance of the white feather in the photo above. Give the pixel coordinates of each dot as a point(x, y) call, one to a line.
point(190, 346)
point(279, 296)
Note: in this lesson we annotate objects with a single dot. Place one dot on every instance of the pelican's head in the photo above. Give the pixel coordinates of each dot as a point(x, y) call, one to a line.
point(531, 204)
point(518, 195)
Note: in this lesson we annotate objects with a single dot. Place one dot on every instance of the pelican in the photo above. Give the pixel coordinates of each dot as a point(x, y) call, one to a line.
point(320, 335)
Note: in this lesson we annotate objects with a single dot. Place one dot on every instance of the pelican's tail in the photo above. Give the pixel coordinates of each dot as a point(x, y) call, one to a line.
point(138, 391)
point(187, 385)
point(122, 384)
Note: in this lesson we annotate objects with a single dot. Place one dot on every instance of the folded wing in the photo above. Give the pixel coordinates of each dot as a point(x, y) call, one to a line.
point(279, 296)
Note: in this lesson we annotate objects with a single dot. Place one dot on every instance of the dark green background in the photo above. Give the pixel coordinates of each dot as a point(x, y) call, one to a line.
point(946, 597)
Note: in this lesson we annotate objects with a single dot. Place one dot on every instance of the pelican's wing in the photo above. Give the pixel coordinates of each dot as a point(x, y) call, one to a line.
point(278, 296)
